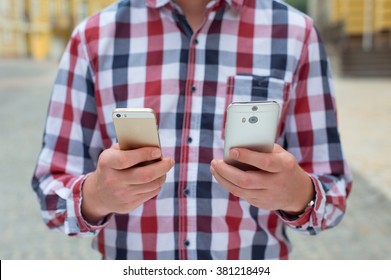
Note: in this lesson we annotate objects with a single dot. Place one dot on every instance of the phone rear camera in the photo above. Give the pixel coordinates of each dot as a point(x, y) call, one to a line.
point(253, 119)
point(118, 115)
point(254, 108)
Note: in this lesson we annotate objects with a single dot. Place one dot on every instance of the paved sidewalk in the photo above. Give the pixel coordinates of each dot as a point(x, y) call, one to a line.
point(364, 115)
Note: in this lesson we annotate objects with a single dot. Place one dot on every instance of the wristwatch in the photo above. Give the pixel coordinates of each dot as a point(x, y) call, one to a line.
point(291, 217)
point(309, 205)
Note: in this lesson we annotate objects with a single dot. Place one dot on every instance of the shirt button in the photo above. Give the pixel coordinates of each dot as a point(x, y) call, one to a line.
point(186, 243)
point(195, 41)
point(189, 140)
point(193, 89)
point(186, 192)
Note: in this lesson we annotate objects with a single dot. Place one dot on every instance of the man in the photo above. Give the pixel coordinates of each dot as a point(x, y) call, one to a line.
point(188, 60)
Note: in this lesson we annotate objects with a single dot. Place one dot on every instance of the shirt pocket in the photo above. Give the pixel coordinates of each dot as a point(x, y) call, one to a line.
point(243, 88)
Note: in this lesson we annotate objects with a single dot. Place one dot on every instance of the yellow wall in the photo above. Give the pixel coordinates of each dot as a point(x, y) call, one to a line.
point(383, 10)
point(27, 27)
point(12, 28)
point(357, 15)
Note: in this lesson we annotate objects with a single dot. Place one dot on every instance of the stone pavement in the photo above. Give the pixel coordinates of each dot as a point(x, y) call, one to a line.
point(364, 116)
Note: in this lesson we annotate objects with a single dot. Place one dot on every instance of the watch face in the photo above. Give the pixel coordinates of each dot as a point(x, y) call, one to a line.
point(311, 203)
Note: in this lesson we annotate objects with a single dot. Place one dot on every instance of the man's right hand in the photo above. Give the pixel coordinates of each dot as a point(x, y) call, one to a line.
point(118, 185)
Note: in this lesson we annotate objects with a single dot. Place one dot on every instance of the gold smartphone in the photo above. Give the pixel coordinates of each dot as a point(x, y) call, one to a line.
point(251, 125)
point(136, 128)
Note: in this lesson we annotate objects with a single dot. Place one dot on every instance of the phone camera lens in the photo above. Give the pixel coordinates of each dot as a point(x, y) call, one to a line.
point(118, 115)
point(253, 119)
point(255, 108)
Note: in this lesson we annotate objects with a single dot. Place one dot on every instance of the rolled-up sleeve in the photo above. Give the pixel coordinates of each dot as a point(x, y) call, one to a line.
point(311, 134)
point(71, 143)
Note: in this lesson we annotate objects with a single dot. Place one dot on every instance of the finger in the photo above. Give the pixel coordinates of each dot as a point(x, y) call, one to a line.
point(148, 173)
point(229, 173)
point(270, 162)
point(146, 188)
point(246, 194)
point(233, 181)
point(120, 159)
point(135, 201)
point(148, 195)
point(229, 186)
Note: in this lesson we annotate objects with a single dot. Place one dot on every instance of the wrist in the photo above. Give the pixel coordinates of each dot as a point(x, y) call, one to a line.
point(296, 215)
point(91, 208)
point(305, 198)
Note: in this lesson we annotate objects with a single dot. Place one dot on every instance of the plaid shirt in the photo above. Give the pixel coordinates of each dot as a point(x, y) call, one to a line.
point(139, 53)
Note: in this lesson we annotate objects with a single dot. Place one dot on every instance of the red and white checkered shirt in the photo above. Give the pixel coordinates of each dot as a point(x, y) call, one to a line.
point(138, 53)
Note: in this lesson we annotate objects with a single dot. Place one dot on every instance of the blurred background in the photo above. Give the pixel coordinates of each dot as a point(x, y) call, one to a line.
point(357, 33)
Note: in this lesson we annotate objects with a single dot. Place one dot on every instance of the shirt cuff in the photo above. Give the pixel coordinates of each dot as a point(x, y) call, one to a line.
point(308, 218)
point(83, 225)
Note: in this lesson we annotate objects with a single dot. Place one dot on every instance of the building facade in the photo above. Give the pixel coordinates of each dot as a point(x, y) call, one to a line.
point(32, 27)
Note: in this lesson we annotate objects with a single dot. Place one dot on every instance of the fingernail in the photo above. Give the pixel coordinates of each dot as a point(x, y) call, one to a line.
point(156, 153)
point(234, 153)
point(213, 164)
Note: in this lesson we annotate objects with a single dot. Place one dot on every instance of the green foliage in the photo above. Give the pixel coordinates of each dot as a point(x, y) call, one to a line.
point(298, 4)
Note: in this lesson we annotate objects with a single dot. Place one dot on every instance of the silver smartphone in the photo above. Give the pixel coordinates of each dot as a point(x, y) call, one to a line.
point(136, 128)
point(251, 125)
